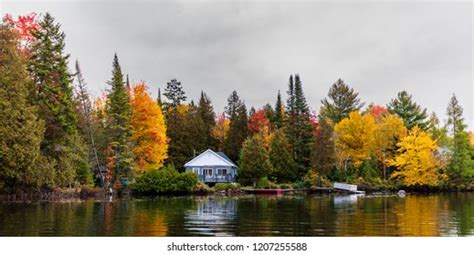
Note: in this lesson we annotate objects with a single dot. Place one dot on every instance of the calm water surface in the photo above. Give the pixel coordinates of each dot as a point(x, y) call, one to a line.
point(413, 215)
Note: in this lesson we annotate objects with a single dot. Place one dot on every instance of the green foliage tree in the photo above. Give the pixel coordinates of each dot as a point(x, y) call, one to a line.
point(341, 101)
point(323, 155)
point(283, 166)
point(21, 131)
point(254, 161)
point(298, 126)
point(119, 113)
point(48, 66)
point(460, 165)
point(411, 113)
point(238, 132)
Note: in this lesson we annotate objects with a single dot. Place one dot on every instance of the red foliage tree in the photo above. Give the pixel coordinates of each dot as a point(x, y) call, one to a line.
point(377, 111)
point(258, 122)
point(24, 26)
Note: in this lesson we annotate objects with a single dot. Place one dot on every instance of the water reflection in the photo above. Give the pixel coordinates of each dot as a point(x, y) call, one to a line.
point(413, 215)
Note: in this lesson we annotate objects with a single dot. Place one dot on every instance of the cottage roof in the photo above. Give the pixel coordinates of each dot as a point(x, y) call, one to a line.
point(210, 158)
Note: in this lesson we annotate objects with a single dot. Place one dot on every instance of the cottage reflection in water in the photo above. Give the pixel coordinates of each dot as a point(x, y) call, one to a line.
point(213, 216)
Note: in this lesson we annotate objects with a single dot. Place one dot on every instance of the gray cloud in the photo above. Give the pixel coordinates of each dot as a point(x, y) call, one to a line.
point(252, 47)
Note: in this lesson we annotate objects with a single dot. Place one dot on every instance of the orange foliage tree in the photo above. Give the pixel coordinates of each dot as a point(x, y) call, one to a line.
point(148, 130)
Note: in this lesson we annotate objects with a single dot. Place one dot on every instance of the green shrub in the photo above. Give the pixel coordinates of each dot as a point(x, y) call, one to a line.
point(164, 181)
point(201, 187)
point(286, 186)
point(227, 186)
point(264, 183)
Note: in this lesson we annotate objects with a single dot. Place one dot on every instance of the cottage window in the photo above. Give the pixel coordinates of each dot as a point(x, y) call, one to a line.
point(207, 171)
point(222, 171)
point(196, 170)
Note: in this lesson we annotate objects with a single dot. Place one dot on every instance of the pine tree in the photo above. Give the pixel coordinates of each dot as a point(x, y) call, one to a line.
point(254, 161)
point(208, 117)
point(460, 164)
point(298, 126)
point(237, 113)
point(341, 101)
point(21, 131)
point(119, 113)
point(279, 112)
point(411, 113)
point(284, 168)
point(174, 93)
point(48, 66)
point(323, 156)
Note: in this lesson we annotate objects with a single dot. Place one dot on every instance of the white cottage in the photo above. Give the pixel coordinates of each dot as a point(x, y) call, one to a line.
point(212, 167)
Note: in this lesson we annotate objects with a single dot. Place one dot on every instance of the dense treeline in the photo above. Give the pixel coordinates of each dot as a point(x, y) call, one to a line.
point(53, 134)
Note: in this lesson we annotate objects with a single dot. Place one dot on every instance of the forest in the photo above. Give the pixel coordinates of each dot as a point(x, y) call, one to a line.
point(55, 134)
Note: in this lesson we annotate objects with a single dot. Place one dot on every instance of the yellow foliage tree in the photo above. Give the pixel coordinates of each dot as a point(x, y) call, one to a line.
point(354, 138)
point(389, 130)
point(417, 164)
point(220, 130)
point(149, 131)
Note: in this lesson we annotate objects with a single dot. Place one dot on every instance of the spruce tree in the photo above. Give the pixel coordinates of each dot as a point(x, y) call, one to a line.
point(408, 110)
point(208, 117)
point(21, 131)
point(284, 168)
point(279, 112)
point(48, 66)
point(174, 93)
point(119, 128)
point(237, 128)
point(460, 164)
point(298, 127)
point(341, 101)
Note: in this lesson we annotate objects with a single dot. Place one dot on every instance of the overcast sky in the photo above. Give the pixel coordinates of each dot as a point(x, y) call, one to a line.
point(378, 49)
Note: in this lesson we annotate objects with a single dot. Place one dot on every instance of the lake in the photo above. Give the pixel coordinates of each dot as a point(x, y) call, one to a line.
point(290, 215)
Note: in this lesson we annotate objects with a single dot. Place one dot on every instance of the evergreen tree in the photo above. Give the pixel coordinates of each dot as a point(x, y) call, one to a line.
point(119, 113)
point(174, 93)
point(279, 112)
point(252, 111)
point(208, 117)
point(21, 131)
point(237, 128)
point(48, 66)
point(233, 103)
point(439, 134)
point(269, 113)
point(298, 126)
point(254, 161)
point(185, 130)
point(323, 156)
point(341, 101)
point(83, 109)
point(411, 113)
point(283, 166)
point(460, 164)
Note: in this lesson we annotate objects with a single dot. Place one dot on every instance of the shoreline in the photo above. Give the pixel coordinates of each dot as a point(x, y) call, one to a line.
point(58, 195)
